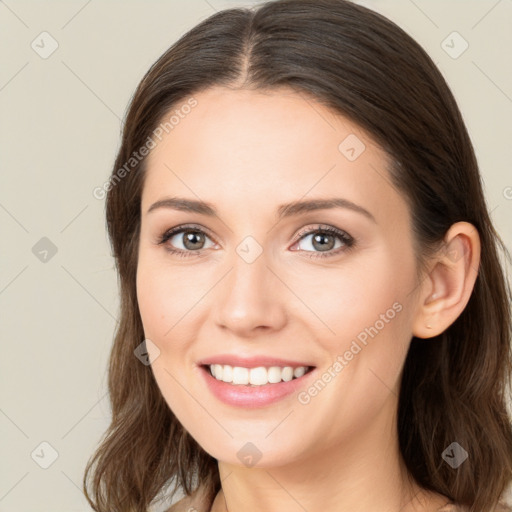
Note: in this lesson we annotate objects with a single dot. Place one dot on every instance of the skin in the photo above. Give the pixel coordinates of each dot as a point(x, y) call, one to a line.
point(246, 153)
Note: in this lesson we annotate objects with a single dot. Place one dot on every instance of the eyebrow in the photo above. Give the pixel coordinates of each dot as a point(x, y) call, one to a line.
point(283, 211)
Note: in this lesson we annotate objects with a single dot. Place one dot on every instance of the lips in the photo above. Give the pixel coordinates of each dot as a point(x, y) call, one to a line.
point(253, 361)
point(248, 396)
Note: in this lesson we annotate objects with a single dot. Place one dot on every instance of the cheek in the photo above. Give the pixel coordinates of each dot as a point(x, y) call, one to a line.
point(151, 300)
point(367, 310)
point(172, 307)
point(162, 306)
point(160, 310)
point(164, 296)
point(353, 298)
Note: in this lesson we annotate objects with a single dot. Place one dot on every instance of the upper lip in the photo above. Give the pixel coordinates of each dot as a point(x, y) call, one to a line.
point(250, 362)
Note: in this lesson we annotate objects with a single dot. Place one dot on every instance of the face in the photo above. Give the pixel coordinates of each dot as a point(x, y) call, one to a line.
point(247, 283)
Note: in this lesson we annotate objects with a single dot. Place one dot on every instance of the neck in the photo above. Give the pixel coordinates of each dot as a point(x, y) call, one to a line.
point(366, 473)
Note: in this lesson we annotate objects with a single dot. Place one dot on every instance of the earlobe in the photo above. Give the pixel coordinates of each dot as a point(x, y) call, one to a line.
point(448, 286)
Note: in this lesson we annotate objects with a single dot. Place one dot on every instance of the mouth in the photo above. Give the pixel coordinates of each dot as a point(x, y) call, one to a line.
point(255, 376)
point(254, 381)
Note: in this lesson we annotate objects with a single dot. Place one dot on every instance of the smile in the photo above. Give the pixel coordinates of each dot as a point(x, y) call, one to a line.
point(255, 387)
point(259, 376)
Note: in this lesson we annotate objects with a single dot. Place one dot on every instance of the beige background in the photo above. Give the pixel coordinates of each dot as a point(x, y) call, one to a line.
point(60, 125)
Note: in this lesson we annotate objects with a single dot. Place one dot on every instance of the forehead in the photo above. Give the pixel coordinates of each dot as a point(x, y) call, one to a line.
point(236, 146)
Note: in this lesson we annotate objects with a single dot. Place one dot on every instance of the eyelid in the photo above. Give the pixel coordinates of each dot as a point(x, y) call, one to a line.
point(323, 228)
point(347, 239)
point(184, 227)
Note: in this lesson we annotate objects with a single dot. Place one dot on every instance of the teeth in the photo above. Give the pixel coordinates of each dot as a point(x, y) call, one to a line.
point(256, 376)
point(300, 371)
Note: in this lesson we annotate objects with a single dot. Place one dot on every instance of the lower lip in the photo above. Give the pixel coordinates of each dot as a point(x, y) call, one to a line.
point(240, 395)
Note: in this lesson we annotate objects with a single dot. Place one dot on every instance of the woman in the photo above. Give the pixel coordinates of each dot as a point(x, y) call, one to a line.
point(313, 311)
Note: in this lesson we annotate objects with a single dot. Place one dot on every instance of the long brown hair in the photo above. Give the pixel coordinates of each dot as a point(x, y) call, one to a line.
point(363, 66)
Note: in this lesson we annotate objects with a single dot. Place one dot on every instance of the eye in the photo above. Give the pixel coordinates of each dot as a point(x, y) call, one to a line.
point(189, 240)
point(324, 240)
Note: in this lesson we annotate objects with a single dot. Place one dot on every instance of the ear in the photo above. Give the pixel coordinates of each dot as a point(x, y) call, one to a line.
point(446, 289)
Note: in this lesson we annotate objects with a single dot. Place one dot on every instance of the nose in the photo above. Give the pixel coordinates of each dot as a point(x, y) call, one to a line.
point(250, 299)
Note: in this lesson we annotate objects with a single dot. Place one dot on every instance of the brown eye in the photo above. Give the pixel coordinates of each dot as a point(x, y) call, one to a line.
point(193, 240)
point(324, 240)
point(185, 240)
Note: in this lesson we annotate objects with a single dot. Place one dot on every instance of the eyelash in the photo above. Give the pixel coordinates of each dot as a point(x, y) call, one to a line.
point(348, 241)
